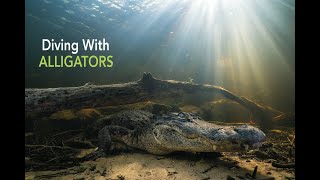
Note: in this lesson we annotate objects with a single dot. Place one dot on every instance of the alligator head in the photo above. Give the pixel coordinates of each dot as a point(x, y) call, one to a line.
point(187, 132)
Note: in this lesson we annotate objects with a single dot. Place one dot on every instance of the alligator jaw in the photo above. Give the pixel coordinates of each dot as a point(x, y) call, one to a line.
point(207, 137)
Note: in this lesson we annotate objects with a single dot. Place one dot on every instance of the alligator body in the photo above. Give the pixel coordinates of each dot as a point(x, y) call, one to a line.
point(174, 132)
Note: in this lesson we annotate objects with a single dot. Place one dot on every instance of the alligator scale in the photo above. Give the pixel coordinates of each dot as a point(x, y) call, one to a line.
point(174, 132)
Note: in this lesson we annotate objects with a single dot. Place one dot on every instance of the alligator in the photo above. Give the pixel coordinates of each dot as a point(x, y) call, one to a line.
point(174, 132)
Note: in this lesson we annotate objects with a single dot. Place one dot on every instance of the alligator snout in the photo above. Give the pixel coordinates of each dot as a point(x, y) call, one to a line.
point(207, 137)
point(244, 136)
point(250, 135)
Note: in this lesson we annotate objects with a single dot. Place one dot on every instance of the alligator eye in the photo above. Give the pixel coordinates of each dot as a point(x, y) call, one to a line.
point(181, 115)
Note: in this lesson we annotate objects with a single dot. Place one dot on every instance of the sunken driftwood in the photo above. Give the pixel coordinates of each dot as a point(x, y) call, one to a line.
point(47, 101)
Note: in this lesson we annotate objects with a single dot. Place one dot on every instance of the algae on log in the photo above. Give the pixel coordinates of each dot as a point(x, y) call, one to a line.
point(46, 101)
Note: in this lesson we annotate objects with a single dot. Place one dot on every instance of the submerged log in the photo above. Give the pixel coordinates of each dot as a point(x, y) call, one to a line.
point(49, 100)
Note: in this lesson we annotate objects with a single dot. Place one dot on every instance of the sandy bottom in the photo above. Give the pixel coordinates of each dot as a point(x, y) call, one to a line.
point(179, 166)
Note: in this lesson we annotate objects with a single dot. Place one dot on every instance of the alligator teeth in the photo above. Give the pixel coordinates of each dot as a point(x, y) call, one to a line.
point(214, 147)
point(256, 145)
point(246, 146)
